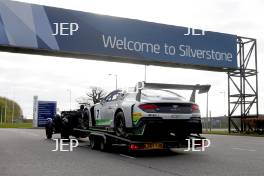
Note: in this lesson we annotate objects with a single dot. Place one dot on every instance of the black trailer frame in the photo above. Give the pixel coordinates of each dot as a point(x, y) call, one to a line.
point(105, 140)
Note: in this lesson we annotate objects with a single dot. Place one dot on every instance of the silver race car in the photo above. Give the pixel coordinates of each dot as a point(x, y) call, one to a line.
point(151, 109)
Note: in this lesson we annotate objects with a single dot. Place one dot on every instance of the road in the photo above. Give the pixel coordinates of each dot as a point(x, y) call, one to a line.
point(26, 152)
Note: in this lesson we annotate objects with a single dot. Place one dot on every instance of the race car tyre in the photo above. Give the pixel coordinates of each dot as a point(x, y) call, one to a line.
point(119, 124)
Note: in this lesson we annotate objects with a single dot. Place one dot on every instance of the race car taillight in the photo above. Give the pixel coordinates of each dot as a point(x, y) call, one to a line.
point(148, 107)
point(195, 108)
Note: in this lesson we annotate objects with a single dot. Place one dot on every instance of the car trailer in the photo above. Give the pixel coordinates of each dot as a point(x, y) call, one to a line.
point(106, 140)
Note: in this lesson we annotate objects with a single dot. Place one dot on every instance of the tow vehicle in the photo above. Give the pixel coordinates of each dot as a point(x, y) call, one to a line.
point(82, 123)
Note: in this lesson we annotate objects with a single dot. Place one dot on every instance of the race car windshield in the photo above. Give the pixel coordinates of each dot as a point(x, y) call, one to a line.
point(161, 94)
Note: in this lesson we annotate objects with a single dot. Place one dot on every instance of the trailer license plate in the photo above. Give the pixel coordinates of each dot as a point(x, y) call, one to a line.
point(154, 146)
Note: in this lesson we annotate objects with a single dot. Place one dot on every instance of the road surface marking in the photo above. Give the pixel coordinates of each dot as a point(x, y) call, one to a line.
point(250, 150)
point(131, 157)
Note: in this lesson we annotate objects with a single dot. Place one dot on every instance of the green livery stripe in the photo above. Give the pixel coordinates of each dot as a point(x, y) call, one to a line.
point(136, 116)
point(103, 122)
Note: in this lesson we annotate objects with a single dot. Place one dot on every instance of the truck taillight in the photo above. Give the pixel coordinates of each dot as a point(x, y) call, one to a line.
point(195, 108)
point(133, 147)
point(148, 107)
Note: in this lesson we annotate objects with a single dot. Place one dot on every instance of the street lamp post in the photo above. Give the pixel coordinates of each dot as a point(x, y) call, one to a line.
point(13, 106)
point(13, 109)
point(4, 115)
point(69, 97)
point(5, 109)
point(207, 111)
point(1, 115)
point(223, 92)
point(145, 73)
point(115, 78)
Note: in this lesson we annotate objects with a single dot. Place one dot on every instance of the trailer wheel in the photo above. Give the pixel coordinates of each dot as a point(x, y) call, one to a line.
point(119, 124)
point(93, 143)
point(49, 131)
point(104, 146)
point(64, 134)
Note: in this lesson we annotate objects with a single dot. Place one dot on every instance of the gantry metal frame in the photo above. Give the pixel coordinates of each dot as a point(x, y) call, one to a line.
point(243, 85)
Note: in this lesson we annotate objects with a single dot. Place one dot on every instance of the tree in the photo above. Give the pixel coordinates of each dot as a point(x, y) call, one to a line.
point(96, 94)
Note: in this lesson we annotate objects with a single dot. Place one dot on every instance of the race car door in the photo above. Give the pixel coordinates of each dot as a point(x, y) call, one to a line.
point(106, 112)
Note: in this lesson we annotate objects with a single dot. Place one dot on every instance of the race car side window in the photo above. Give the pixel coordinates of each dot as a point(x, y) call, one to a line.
point(108, 97)
point(112, 96)
point(116, 95)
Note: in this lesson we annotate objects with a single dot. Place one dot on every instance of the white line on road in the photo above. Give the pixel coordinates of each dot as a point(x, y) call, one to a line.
point(250, 150)
point(131, 157)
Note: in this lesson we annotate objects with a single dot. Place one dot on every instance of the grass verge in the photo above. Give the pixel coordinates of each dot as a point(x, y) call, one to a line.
point(16, 125)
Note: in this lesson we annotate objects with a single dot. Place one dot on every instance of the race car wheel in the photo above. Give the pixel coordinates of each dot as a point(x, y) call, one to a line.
point(120, 126)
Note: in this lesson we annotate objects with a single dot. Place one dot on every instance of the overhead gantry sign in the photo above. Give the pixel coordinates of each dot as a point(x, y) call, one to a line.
point(46, 30)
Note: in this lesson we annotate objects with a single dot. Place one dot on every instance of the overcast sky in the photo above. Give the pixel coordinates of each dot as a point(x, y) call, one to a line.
point(23, 76)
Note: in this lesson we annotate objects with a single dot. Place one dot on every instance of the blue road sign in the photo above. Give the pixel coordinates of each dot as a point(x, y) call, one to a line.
point(46, 109)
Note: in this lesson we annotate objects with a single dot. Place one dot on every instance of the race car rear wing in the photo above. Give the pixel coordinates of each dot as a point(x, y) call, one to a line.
point(200, 88)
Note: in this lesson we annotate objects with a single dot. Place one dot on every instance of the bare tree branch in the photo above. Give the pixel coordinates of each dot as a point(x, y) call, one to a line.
point(96, 94)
